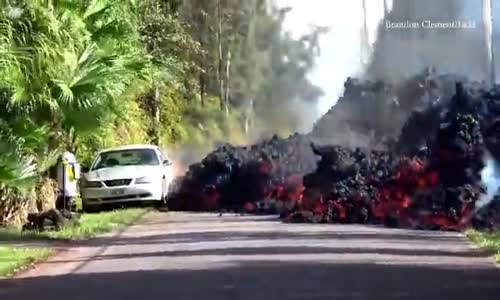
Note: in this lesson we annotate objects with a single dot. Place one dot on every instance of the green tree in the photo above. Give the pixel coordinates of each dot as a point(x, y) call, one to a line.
point(87, 74)
point(65, 67)
point(172, 53)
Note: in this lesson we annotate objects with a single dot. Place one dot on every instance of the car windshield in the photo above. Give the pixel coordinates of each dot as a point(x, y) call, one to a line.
point(134, 157)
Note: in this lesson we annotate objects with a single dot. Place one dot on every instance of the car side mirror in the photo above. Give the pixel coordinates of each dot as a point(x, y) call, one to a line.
point(166, 162)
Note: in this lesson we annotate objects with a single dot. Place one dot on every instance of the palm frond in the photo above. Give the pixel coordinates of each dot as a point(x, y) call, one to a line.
point(95, 8)
point(66, 95)
point(17, 170)
point(46, 160)
point(20, 174)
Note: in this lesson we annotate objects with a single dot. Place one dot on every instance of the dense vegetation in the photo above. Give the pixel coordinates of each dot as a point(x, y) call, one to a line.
point(87, 74)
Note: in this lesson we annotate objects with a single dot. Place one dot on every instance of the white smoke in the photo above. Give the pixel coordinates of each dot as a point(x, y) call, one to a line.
point(341, 47)
point(341, 51)
point(490, 175)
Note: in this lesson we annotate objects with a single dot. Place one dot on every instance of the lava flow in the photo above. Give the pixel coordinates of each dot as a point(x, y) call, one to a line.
point(431, 181)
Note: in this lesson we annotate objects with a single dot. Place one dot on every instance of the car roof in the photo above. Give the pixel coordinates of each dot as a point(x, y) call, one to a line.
point(131, 147)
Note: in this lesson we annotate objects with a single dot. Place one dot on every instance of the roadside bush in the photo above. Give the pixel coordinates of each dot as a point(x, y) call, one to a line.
point(46, 194)
point(15, 206)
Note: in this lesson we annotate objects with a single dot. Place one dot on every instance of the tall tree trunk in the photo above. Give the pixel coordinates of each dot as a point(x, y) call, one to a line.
point(488, 31)
point(202, 89)
point(365, 41)
point(228, 66)
point(202, 81)
point(156, 117)
point(72, 142)
point(220, 60)
point(248, 117)
point(188, 95)
point(57, 131)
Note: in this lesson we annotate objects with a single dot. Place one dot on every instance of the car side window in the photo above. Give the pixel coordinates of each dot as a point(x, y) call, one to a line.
point(163, 157)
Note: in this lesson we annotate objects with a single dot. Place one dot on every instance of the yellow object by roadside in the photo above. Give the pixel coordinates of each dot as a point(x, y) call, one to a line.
point(69, 171)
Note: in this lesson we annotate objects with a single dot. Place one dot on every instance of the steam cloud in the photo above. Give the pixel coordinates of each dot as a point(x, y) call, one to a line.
point(490, 176)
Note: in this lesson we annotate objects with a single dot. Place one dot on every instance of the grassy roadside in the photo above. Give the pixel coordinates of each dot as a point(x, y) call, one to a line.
point(91, 225)
point(489, 242)
point(13, 259)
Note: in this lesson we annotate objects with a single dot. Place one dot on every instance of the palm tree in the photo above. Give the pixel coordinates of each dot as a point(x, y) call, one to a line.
point(63, 69)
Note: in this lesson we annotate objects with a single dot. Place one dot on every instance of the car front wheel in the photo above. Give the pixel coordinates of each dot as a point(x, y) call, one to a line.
point(90, 208)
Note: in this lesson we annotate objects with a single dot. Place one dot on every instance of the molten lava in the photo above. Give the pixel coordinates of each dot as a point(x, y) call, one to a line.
point(403, 186)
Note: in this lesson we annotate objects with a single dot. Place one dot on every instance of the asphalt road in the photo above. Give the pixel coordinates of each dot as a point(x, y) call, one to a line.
point(203, 256)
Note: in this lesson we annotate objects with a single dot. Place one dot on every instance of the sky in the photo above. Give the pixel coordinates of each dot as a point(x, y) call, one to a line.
point(340, 47)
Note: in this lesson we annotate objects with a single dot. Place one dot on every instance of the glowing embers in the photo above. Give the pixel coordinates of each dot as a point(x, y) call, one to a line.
point(374, 187)
point(263, 178)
